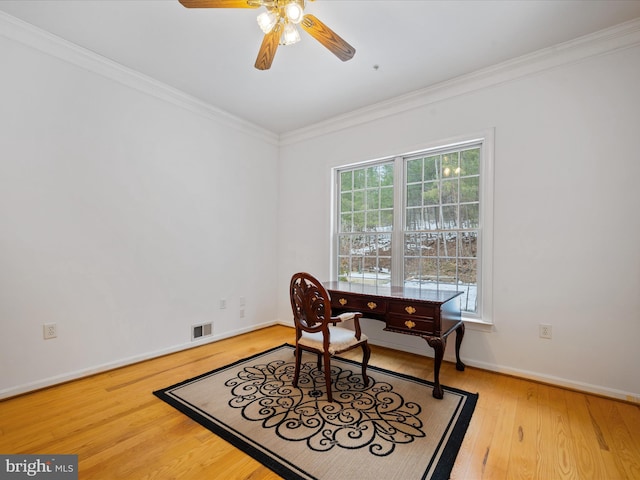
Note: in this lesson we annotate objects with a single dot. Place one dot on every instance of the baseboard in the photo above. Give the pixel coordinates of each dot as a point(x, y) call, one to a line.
point(528, 375)
point(556, 381)
point(524, 374)
point(75, 375)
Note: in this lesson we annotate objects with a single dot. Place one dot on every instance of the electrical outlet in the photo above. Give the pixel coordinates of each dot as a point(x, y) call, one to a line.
point(50, 330)
point(545, 331)
point(242, 313)
point(223, 303)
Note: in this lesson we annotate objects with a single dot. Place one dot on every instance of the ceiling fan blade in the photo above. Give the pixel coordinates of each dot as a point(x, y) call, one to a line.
point(268, 48)
point(220, 3)
point(327, 37)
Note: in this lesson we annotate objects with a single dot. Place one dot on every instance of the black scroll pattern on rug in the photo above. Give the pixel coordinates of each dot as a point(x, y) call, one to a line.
point(373, 417)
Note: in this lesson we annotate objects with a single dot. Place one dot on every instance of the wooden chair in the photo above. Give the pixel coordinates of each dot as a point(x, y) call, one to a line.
point(316, 329)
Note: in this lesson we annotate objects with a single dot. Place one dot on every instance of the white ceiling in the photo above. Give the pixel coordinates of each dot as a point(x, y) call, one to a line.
point(209, 53)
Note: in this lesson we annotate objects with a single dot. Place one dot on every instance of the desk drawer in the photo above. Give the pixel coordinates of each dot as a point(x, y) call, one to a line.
point(411, 324)
point(363, 305)
point(413, 309)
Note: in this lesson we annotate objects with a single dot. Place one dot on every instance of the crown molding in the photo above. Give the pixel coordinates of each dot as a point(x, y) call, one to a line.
point(34, 37)
point(605, 41)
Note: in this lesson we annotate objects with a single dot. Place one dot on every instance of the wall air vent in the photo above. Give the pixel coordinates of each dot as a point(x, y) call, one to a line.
point(199, 331)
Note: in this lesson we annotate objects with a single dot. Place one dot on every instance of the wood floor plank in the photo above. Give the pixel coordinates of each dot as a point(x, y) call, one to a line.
point(520, 429)
point(522, 459)
point(620, 439)
point(590, 463)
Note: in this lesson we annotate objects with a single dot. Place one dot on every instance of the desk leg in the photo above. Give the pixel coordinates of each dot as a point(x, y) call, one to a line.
point(438, 344)
point(459, 335)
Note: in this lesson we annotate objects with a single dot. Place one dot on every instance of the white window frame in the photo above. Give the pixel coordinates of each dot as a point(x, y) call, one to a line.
point(485, 240)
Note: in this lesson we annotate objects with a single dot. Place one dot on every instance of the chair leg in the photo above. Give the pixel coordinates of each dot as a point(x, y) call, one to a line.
point(296, 374)
point(327, 375)
point(366, 354)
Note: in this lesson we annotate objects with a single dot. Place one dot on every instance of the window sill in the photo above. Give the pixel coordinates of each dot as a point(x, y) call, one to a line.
point(477, 325)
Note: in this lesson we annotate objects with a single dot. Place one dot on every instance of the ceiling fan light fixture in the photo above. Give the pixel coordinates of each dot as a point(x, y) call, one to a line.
point(290, 35)
point(267, 20)
point(294, 12)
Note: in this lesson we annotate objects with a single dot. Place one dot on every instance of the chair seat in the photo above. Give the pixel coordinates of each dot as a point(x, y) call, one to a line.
point(340, 339)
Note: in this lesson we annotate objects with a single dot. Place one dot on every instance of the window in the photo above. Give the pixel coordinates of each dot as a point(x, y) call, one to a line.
point(366, 223)
point(421, 220)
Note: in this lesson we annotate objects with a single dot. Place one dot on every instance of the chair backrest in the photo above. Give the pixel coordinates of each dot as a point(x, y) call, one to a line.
point(310, 302)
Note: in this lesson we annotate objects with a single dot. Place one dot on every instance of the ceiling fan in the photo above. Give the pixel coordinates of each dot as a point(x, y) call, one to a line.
point(279, 25)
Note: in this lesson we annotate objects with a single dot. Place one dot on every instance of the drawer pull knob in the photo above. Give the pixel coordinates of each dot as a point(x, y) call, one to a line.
point(410, 311)
point(409, 324)
point(372, 305)
point(342, 301)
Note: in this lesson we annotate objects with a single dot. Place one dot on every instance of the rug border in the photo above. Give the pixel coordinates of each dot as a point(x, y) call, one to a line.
point(446, 459)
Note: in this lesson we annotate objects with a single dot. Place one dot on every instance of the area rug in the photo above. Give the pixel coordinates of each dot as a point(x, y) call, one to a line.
point(391, 428)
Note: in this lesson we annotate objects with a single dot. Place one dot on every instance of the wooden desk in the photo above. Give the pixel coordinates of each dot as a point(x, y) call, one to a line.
point(429, 314)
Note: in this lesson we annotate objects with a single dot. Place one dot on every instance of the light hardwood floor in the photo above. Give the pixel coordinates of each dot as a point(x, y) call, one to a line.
point(520, 429)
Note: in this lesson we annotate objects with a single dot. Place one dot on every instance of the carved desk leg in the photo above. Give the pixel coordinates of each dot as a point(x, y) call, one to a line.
point(438, 344)
point(459, 335)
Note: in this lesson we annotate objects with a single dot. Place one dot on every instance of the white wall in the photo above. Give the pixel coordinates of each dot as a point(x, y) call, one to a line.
point(566, 216)
point(124, 218)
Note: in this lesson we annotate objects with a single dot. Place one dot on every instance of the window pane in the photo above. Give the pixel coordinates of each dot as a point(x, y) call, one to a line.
point(344, 245)
point(358, 222)
point(373, 177)
point(470, 189)
point(448, 272)
point(346, 202)
point(385, 266)
point(448, 244)
point(450, 191)
point(431, 168)
point(450, 165)
point(358, 179)
point(410, 245)
point(450, 217)
point(470, 162)
point(414, 195)
point(358, 200)
point(373, 199)
point(384, 246)
point(346, 222)
point(344, 267)
point(414, 170)
point(431, 193)
point(386, 197)
point(412, 269)
point(358, 245)
point(431, 218)
point(386, 175)
point(430, 244)
point(468, 271)
point(469, 215)
point(370, 267)
point(468, 244)
point(414, 219)
point(429, 270)
point(373, 220)
point(346, 181)
point(386, 220)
